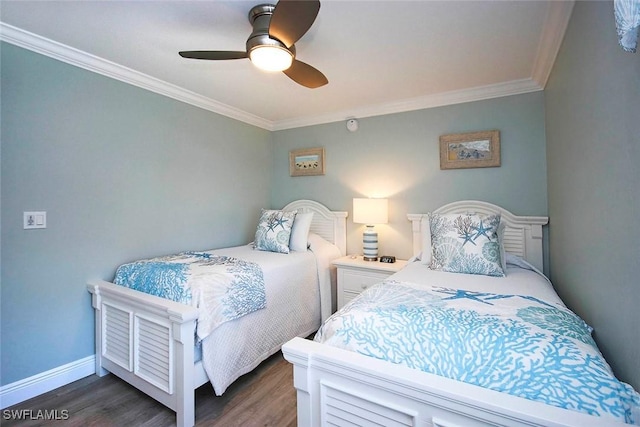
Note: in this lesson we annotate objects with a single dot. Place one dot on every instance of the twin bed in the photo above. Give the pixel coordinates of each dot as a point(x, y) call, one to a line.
point(460, 337)
point(430, 346)
point(148, 340)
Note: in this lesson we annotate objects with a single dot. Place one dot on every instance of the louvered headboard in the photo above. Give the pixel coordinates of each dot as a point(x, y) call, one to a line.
point(330, 225)
point(522, 235)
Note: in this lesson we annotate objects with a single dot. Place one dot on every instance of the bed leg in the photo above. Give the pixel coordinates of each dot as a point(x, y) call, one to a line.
point(100, 371)
point(304, 405)
point(298, 353)
point(185, 411)
point(185, 418)
point(96, 302)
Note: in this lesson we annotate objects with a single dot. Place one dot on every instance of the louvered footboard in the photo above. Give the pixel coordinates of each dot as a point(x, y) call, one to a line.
point(342, 388)
point(149, 342)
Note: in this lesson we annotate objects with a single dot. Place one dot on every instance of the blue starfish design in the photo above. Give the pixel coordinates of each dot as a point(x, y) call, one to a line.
point(482, 231)
point(462, 294)
point(280, 221)
point(198, 254)
point(272, 224)
point(483, 297)
point(468, 237)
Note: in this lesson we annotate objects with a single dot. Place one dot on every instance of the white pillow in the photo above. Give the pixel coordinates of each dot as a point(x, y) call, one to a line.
point(425, 229)
point(503, 255)
point(300, 232)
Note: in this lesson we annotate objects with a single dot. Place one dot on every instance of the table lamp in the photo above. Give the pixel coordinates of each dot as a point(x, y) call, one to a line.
point(370, 212)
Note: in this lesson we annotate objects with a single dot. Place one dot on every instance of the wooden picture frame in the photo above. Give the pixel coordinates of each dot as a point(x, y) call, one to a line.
point(306, 162)
point(470, 150)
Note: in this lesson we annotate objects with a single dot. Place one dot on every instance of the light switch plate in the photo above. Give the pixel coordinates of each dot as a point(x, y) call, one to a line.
point(33, 220)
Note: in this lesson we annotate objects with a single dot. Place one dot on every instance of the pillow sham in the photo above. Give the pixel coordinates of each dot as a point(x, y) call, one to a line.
point(274, 230)
point(300, 231)
point(466, 243)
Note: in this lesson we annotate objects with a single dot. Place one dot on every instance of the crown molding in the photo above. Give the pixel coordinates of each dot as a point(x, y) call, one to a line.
point(555, 25)
point(556, 21)
point(64, 53)
point(554, 28)
point(480, 93)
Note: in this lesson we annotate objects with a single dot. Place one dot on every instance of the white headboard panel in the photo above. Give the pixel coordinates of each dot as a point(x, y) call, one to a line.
point(330, 225)
point(522, 236)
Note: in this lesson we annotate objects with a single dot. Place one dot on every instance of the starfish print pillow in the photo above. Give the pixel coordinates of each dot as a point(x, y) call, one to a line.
point(274, 230)
point(466, 243)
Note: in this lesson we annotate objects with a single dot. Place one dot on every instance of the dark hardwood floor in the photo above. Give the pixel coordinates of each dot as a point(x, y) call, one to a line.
point(263, 397)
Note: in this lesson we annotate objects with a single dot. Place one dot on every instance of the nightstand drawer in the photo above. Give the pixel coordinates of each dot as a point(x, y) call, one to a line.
point(355, 275)
point(357, 281)
point(347, 296)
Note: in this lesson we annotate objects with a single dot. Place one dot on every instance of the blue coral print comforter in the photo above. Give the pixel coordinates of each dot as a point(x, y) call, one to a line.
point(515, 344)
point(223, 288)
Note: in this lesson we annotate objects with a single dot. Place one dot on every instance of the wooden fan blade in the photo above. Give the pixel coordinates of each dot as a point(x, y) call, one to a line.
point(305, 74)
point(291, 19)
point(213, 54)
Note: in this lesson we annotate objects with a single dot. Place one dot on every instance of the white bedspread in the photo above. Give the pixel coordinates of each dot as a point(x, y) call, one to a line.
point(293, 294)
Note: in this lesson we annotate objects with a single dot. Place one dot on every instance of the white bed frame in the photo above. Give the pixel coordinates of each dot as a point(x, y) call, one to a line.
point(343, 388)
point(149, 341)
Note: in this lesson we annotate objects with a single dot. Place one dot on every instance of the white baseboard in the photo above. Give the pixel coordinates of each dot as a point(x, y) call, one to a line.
point(36, 385)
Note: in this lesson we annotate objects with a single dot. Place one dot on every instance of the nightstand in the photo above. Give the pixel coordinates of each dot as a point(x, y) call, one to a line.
point(355, 275)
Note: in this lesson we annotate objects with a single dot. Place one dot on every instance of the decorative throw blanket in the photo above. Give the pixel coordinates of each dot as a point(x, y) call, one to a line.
point(223, 288)
point(515, 344)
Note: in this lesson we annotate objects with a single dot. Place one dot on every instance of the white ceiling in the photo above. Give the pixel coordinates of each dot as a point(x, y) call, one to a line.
point(380, 56)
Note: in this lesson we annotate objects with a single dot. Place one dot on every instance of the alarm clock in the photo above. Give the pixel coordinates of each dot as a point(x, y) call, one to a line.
point(388, 259)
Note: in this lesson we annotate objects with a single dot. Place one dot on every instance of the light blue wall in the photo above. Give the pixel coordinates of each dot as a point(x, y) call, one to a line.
point(123, 173)
point(397, 156)
point(593, 154)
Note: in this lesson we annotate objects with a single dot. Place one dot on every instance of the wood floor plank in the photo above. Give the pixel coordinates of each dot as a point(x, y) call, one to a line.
point(264, 397)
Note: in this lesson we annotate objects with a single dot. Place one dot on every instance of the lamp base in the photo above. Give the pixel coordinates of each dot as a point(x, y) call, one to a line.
point(370, 244)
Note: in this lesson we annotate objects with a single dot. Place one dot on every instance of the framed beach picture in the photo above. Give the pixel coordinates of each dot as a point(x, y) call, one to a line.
point(306, 161)
point(470, 150)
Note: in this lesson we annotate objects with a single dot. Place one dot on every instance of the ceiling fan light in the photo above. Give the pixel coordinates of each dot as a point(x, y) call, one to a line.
point(271, 58)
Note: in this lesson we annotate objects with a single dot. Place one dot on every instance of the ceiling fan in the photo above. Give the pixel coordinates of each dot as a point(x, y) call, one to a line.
point(271, 44)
